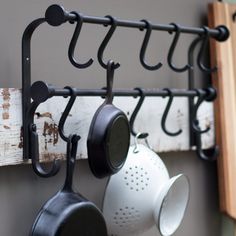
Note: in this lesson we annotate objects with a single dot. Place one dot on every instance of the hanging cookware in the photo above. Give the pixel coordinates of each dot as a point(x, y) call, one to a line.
point(142, 195)
point(69, 213)
point(109, 135)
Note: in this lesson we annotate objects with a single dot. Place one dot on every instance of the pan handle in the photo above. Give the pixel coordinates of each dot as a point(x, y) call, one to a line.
point(110, 78)
point(71, 152)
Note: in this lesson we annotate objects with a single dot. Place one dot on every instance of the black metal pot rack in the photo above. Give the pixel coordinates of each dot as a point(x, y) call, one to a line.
point(40, 91)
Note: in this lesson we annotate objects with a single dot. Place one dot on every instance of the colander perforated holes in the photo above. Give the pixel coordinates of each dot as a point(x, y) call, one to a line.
point(136, 178)
point(126, 217)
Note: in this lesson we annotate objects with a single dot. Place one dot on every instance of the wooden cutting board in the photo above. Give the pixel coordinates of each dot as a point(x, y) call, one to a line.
point(224, 56)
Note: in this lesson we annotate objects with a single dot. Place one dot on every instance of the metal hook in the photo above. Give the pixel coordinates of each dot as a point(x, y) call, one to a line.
point(105, 42)
point(205, 39)
point(34, 149)
point(164, 117)
point(208, 154)
point(73, 43)
point(138, 136)
point(136, 150)
point(172, 49)
point(134, 115)
point(66, 113)
point(144, 47)
point(195, 122)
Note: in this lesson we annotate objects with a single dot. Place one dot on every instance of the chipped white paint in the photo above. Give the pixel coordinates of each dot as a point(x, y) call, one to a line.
point(148, 120)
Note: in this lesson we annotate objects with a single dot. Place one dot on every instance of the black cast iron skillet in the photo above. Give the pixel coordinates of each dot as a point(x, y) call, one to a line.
point(68, 213)
point(109, 135)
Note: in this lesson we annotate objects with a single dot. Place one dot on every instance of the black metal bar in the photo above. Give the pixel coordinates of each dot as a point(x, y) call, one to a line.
point(40, 92)
point(128, 92)
point(141, 25)
point(192, 136)
point(57, 15)
point(26, 79)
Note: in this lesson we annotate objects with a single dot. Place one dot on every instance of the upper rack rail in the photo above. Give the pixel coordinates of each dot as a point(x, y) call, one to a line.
point(56, 15)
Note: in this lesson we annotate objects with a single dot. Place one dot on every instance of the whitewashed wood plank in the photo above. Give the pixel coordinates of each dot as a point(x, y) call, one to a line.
point(148, 120)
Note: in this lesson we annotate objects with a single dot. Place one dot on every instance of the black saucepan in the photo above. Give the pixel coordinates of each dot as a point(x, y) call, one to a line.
point(68, 213)
point(109, 135)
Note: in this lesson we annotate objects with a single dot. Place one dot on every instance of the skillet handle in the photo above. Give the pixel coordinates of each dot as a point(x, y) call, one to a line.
point(110, 78)
point(71, 151)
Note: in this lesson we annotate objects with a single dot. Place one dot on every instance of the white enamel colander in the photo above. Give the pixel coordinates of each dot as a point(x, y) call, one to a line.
point(142, 194)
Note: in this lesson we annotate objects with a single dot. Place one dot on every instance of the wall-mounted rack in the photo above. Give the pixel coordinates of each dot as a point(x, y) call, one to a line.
point(56, 15)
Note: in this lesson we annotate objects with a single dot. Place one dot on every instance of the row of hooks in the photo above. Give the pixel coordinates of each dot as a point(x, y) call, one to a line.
point(39, 88)
point(208, 94)
point(142, 55)
point(39, 92)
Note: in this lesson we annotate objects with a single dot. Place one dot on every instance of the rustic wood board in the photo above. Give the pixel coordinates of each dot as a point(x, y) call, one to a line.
point(148, 120)
point(224, 56)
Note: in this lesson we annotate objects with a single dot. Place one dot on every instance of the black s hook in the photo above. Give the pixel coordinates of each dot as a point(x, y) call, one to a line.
point(144, 47)
point(105, 42)
point(134, 115)
point(195, 122)
point(164, 117)
point(200, 56)
point(172, 49)
point(34, 149)
point(65, 115)
point(73, 43)
point(211, 153)
point(208, 154)
point(35, 157)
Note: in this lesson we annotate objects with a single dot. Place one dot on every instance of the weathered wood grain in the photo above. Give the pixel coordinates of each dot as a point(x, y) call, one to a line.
point(224, 56)
point(48, 115)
